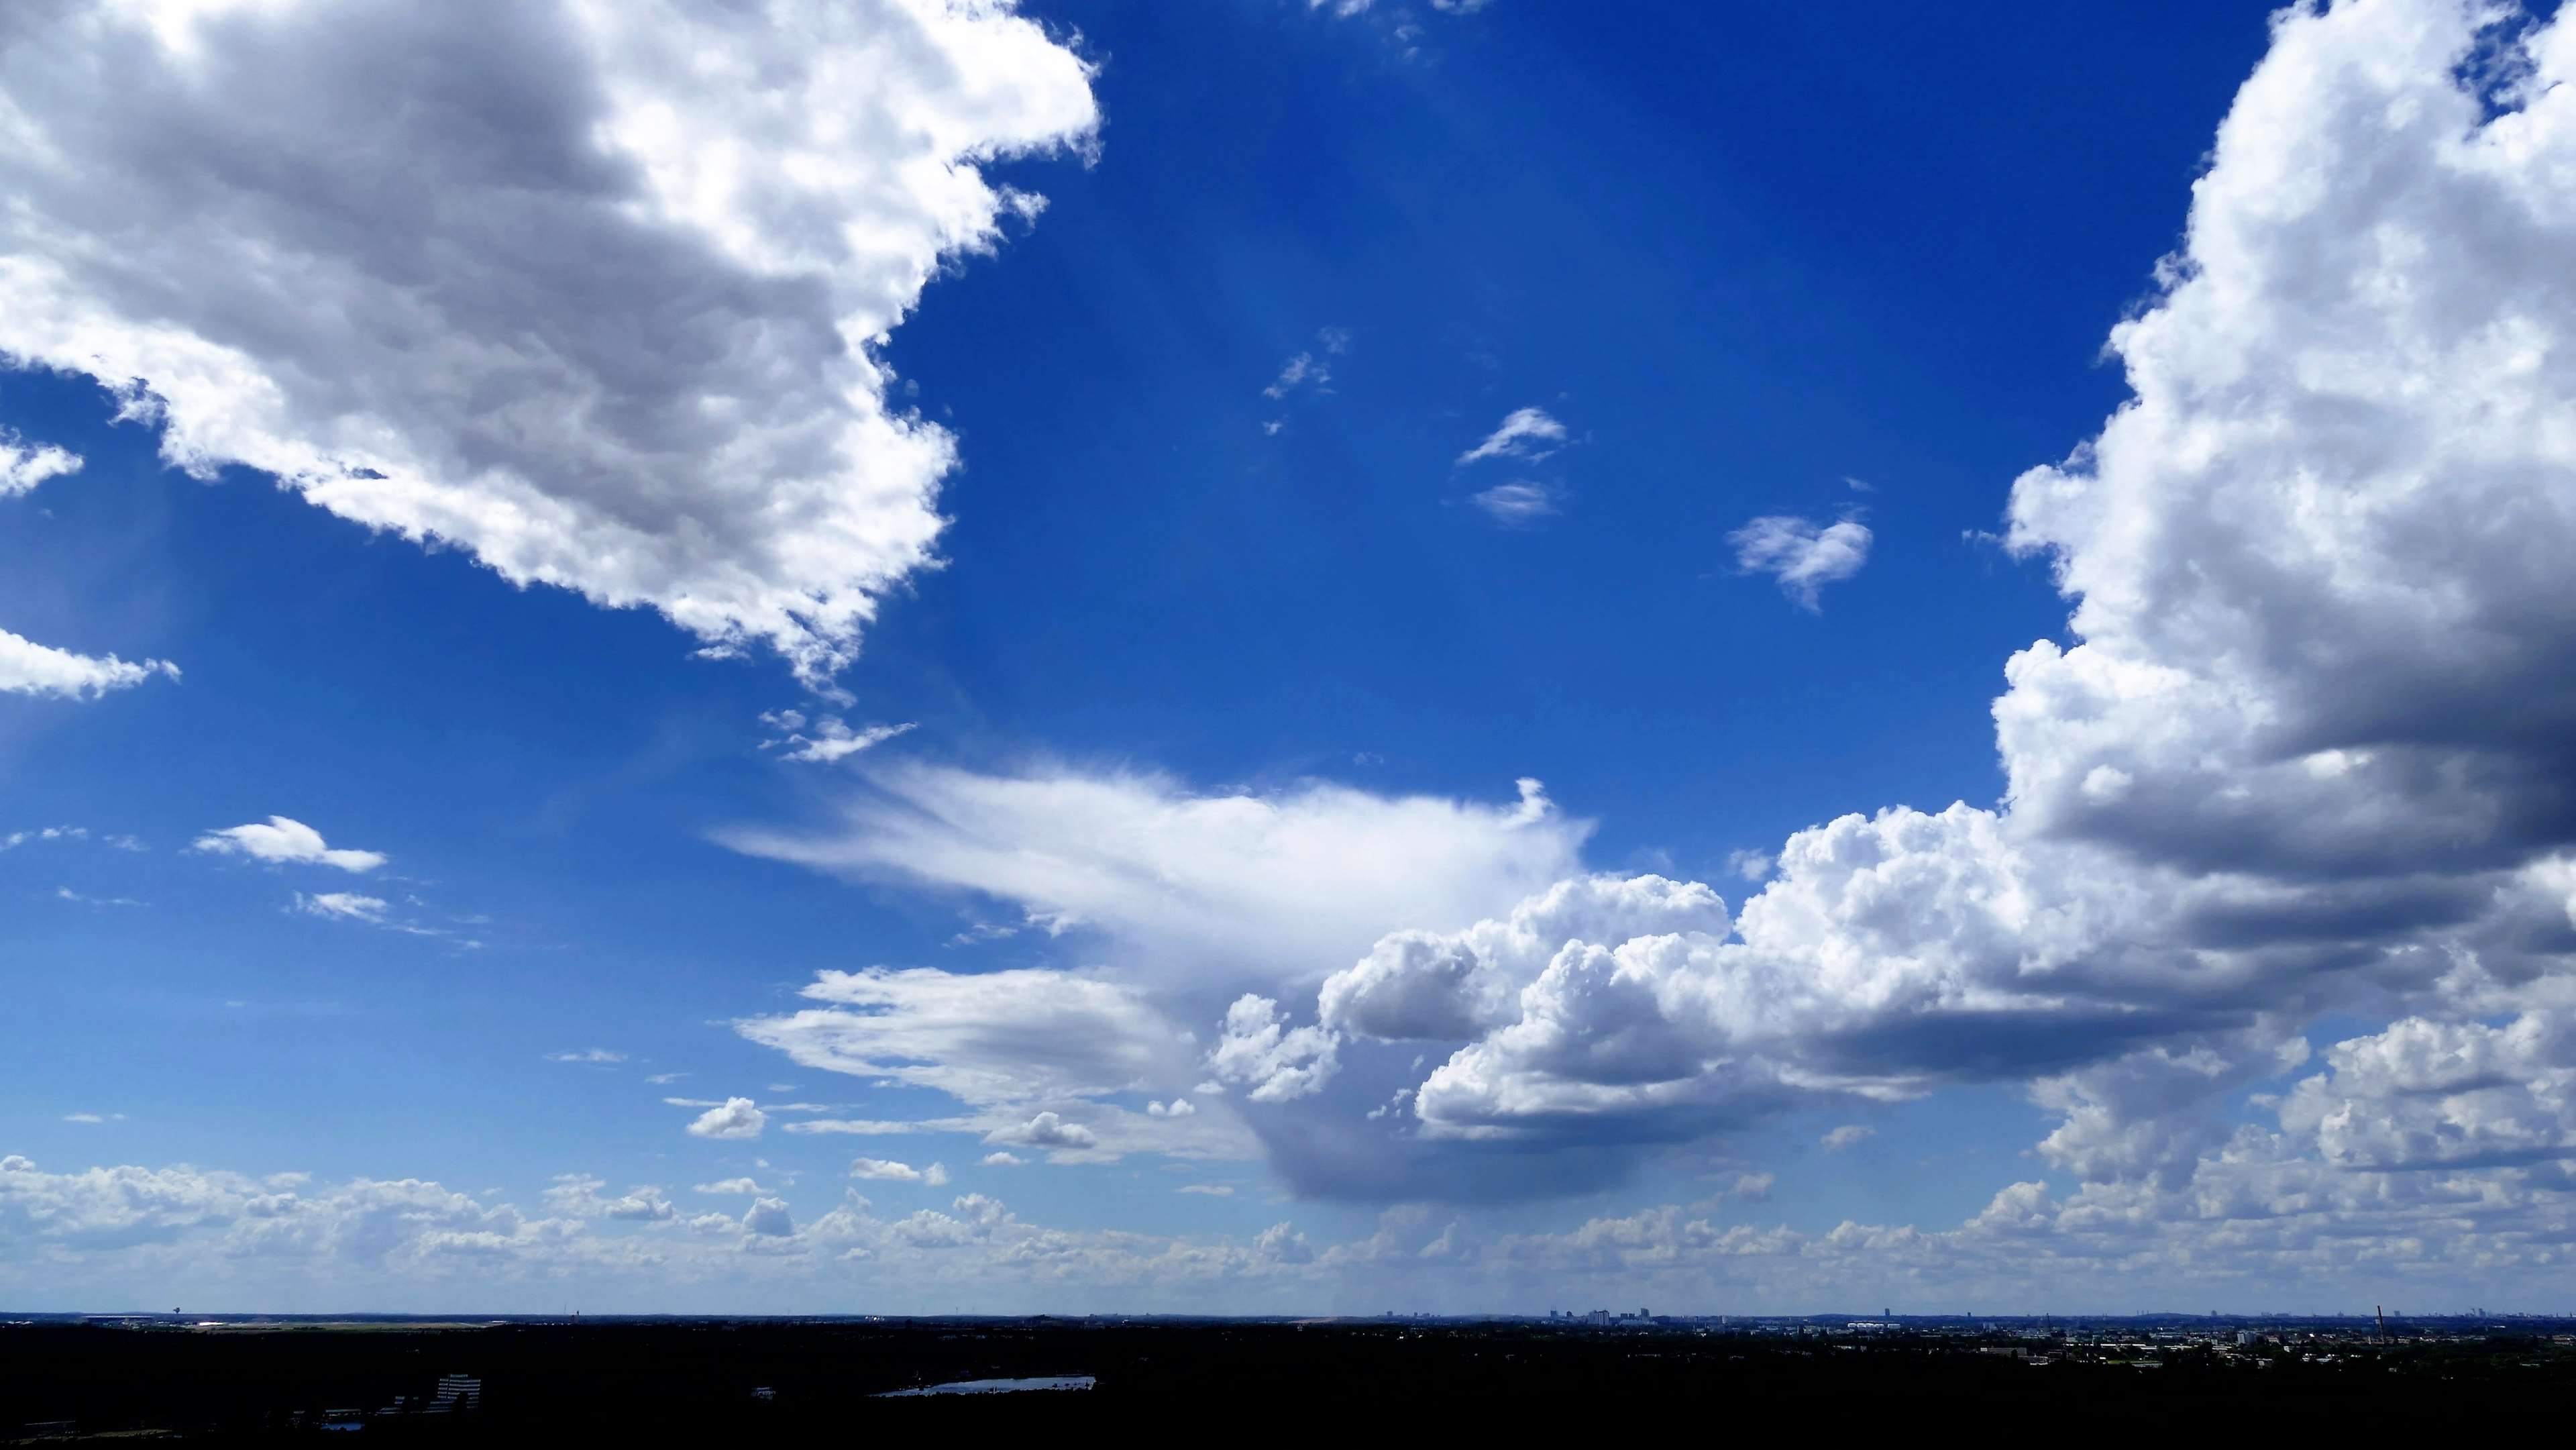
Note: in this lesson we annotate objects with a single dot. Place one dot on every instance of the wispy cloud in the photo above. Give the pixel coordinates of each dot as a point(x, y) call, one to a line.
point(1801, 554)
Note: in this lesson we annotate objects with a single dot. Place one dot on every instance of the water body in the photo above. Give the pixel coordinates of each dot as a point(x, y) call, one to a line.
point(997, 1387)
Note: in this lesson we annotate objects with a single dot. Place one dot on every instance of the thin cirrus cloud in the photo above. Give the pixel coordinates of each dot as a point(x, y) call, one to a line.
point(1519, 505)
point(1800, 554)
point(281, 840)
point(1524, 433)
point(710, 214)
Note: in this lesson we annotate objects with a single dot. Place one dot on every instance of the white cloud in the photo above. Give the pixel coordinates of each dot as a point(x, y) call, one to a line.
point(1849, 1135)
point(1045, 1130)
point(1521, 505)
point(29, 668)
point(579, 1196)
point(93, 1118)
point(730, 1187)
point(1003, 1158)
point(830, 739)
point(988, 1037)
point(734, 1119)
point(342, 906)
point(1212, 1190)
point(23, 465)
point(887, 1170)
point(1257, 1048)
point(1802, 555)
point(1176, 1108)
point(284, 841)
point(1219, 892)
point(634, 351)
point(1526, 433)
point(769, 1218)
point(594, 1054)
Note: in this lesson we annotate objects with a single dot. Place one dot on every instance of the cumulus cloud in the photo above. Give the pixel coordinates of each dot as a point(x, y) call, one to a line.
point(24, 465)
point(1256, 1048)
point(1045, 1130)
point(887, 1170)
point(579, 1196)
point(284, 841)
point(595, 292)
point(733, 1119)
point(29, 668)
point(731, 1186)
point(1525, 433)
point(1801, 554)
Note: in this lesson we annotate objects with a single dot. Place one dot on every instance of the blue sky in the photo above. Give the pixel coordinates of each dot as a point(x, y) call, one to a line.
point(1319, 649)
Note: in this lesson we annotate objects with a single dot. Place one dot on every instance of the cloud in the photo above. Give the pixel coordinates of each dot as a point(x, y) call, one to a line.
point(734, 1119)
point(1176, 1108)
point(1218, 892)
point(887, 1170)
point(1519, 505)
point(284, 841)
point(731, 1186)
point(23, 465)
point(1212, 1190)
point(1803, 556)
point(29, 668)
point(596, 293)
point(832, 739)
point(989, 1037)
point(1257, 1048)
point(1046, 1130)
point(769, 1218)
point(93, 1118)
point(342, 906)
point(1003, 1158)
point(1525, 433)
point(2302, 754)
point(1849, 1135)
point(579, 1196)
point(594, 1054)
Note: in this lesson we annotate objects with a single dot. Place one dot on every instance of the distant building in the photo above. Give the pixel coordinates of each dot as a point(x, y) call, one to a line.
point(460, 1392)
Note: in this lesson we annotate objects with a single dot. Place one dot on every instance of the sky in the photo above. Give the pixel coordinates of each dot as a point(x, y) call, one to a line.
point(892, 656)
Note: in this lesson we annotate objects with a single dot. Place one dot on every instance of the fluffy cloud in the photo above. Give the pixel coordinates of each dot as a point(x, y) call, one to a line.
point(1278, 1062)
point(734, 1119)
point(593, 291)
point(2303, 754)
point(1849, 1135)
point(1045, 1130)
point(29, 668)
point(285, 841)
point(1525, 433)
point(887, 1170)
point(578, 1195)
point(24, 465)
point(1801, 554)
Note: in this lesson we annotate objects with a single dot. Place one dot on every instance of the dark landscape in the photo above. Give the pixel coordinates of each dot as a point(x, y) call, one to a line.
point(250, 1380)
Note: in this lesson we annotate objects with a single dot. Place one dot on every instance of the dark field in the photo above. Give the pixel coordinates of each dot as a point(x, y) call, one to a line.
point(656, 1379)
